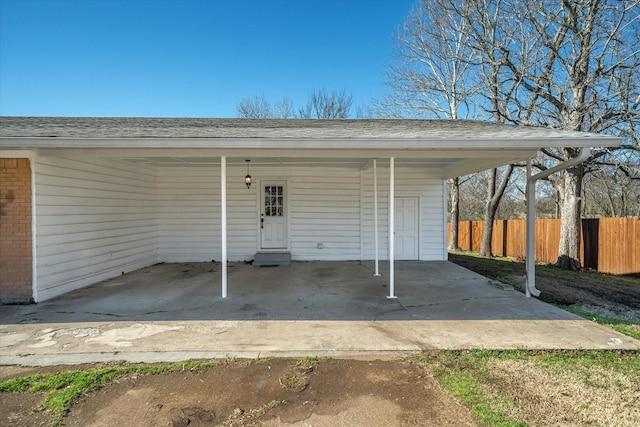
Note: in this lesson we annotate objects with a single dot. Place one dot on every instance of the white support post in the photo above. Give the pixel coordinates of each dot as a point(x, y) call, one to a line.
point(223, 204)
point(530, 256)
point(375, 217)
point(392, 211)
point(530, 263)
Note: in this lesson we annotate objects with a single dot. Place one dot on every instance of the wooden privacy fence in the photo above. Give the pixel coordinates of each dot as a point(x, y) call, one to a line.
point(607, 245)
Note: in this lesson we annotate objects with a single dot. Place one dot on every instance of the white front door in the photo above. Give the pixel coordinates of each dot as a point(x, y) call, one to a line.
point(273, 218)
point(406, 228)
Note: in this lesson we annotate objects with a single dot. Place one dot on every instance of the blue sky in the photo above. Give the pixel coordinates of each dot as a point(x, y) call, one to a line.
point(189, 58)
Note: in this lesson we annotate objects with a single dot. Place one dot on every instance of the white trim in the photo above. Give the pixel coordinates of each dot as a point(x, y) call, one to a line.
point(223, 208)
point(258, 209)
point(287, 209)
point(287, 212)
point(16, 154)
point(475, 139)
point(445, 216)
point(412, 155)
point(34, 252)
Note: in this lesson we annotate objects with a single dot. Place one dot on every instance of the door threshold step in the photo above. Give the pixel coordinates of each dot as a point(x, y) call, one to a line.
point(271, 259)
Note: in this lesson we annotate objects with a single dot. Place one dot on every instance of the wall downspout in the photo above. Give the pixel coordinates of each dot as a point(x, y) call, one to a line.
point(530, 261)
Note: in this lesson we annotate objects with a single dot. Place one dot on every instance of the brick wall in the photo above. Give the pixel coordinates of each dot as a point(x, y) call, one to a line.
point(15, 231)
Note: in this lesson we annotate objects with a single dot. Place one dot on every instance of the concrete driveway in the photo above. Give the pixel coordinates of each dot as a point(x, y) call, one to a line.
point(172, 312)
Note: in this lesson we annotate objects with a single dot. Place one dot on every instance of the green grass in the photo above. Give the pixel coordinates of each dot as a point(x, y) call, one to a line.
point(462, 373)
point(65, 388)
point(623, 326)
point(466, 388)
point(508, 279)
point(307, 363)
point(477, 255)
point(467, 376)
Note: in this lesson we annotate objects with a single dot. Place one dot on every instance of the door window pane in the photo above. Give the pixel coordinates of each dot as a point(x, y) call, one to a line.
point(274, 200)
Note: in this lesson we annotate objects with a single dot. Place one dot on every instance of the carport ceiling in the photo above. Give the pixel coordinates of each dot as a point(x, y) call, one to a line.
point(448, 166)
point(280, 161)
point(445, 163)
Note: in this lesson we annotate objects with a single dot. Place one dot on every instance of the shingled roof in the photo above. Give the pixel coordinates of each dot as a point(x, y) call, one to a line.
point(277, 129)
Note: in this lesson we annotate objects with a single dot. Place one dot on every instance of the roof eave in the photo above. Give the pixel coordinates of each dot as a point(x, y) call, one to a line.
point(310, 143)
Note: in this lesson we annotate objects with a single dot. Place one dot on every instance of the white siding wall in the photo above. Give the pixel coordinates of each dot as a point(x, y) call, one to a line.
point(409, 182)
point(323, 207)
point(95, 218)
point(189, 221)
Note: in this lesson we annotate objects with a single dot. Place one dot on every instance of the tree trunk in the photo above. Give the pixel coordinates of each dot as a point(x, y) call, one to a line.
point(489, 214)
point(454, 188)
point(493, 200)
point(570, 218)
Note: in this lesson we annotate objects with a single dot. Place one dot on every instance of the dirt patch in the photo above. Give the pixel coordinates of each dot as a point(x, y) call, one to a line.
point(23, 409)
point(335, 392)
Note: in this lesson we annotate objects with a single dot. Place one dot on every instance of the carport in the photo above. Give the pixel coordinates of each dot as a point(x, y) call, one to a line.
point(113, 195)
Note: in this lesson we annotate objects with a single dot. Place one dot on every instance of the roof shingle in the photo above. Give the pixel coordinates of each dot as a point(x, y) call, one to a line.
point(84, 127)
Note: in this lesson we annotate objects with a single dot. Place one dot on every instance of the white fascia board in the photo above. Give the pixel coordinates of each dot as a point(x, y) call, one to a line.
point(283, 154)
point(305, 144)
point(16, 154)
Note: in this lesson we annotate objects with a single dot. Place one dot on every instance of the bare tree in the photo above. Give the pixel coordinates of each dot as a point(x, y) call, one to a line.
point(283, 109)
point(259, 107)
point(486, 37)
point(327, 105)
point(473, 196)
point(567, 64)
point(320, 105)
point(495, 192)
point(431, 76)
point(612, 191)
point(577, 67)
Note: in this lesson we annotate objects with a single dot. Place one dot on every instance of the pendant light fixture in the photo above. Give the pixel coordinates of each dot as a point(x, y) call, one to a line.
point(247, 179)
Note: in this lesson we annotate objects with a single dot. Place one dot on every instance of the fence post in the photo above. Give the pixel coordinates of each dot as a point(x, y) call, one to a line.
point(504, 237)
